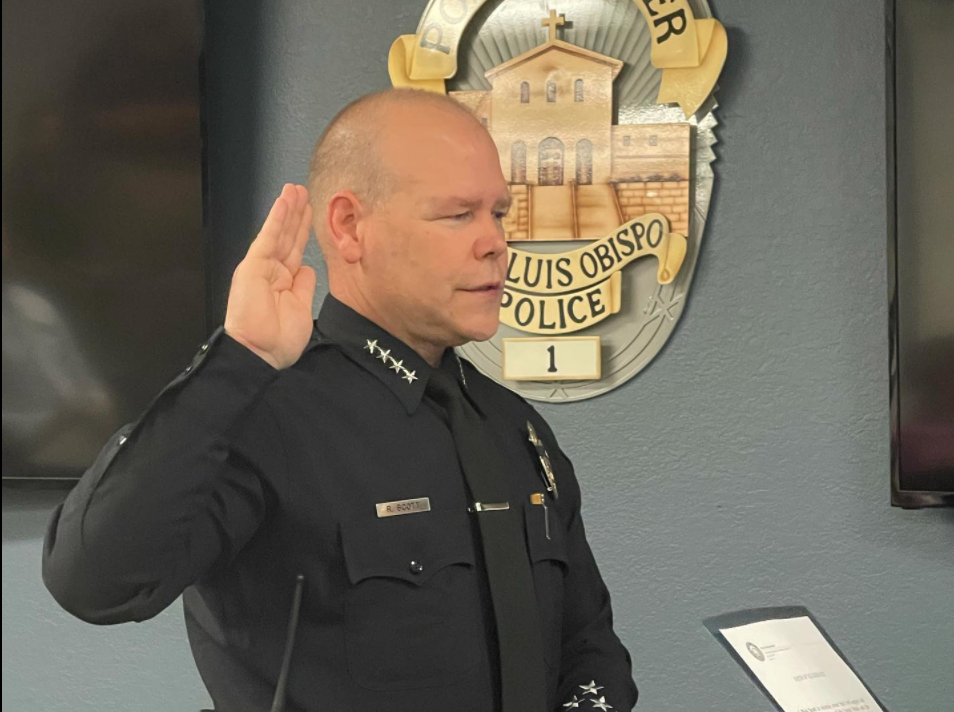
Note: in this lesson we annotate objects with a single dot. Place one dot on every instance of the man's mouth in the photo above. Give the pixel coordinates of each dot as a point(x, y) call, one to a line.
point(487, 288)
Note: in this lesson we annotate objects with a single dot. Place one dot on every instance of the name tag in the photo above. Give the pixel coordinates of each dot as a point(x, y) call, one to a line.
point(404, 506)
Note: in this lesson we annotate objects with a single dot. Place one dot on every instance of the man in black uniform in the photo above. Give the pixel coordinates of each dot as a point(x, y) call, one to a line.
point(433, 517)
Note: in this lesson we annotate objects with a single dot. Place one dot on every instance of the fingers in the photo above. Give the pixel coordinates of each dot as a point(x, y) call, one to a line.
point(301, 193)
point(268, 241)
point(301, 237)
point(303, 285)
point(279, 234)
point(272, 227)
point(298, 228)
point(292, 194)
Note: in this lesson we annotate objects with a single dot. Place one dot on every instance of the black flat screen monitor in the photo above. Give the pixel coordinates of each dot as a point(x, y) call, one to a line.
point(921, 251)
point(103, 277)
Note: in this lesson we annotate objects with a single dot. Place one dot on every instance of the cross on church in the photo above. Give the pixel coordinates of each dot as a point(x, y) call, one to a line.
point(553, 22)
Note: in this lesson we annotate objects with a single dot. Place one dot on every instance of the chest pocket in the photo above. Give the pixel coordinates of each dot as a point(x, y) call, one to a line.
point(549, 559)
point(412, 612)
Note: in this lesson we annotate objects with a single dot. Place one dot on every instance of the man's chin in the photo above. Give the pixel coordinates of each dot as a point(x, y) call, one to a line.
point(481, 332)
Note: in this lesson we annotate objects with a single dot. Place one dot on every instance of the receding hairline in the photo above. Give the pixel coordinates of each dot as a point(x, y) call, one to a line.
point(347, 155)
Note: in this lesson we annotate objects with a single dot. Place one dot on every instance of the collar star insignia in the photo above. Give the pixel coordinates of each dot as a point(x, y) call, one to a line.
point(601, 704)
point(575, 702)
point(591, 688)
point(384, 355)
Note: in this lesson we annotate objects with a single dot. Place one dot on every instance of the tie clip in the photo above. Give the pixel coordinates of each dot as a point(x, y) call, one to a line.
point(489, 506)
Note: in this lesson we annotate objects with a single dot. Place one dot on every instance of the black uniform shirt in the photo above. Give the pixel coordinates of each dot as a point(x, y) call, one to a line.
point(238, 477)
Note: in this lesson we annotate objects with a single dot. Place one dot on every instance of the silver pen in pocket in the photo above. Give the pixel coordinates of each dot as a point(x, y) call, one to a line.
point(540, 498)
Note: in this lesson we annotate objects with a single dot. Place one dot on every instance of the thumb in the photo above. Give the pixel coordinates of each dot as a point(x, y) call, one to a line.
point(303, 285)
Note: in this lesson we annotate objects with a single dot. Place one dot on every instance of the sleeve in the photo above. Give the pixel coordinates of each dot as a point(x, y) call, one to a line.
point(171, 494)
point(596, 670)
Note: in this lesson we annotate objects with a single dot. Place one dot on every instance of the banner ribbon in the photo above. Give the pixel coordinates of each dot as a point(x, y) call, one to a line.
point(558, 293)
point(690, 52)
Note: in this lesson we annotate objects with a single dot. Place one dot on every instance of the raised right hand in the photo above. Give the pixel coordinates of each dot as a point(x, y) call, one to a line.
point(269, 308)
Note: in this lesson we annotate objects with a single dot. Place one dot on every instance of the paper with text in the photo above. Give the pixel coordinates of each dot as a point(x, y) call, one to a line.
point(798, 667)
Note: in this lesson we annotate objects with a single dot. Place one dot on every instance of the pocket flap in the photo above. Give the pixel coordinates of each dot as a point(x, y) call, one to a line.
point(538, 545)
point(411, 547)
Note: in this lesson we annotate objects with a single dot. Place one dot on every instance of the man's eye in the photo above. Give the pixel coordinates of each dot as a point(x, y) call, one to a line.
point(500, 214)
point(459, 216)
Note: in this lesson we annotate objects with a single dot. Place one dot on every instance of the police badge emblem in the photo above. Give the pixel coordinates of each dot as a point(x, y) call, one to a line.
point(603, 116)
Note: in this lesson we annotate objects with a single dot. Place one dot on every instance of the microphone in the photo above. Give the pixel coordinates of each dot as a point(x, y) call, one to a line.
point(278, 702)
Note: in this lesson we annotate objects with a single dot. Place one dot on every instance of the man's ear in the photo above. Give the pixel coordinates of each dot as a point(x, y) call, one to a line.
point(345, 211)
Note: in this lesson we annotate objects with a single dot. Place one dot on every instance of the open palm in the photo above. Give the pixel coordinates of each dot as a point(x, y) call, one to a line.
point(269, 307)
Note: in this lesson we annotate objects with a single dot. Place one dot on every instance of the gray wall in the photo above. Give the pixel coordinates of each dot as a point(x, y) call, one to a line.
point(748, 465)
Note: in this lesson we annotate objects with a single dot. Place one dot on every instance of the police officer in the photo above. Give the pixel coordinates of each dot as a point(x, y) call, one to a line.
point(429, 511)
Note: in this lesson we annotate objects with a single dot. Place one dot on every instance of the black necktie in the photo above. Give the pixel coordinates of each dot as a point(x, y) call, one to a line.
point(522, 671)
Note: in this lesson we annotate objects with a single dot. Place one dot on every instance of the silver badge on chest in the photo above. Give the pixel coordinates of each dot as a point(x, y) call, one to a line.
point(547, 473)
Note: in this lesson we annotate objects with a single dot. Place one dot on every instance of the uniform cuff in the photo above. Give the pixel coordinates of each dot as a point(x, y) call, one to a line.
point(591, 694)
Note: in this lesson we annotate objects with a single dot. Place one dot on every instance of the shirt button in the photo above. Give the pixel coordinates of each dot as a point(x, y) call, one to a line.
point(416, 567)
point(188, 368)
point(122, 439)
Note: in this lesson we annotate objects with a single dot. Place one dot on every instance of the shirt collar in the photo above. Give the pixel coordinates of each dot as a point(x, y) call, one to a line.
point(387, 358)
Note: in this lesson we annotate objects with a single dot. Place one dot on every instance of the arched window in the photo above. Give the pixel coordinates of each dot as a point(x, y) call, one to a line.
point(584, 162)
point(578, 90)
point(525, 92)
point(551, 90)
point(518, 162)
point(550, 162)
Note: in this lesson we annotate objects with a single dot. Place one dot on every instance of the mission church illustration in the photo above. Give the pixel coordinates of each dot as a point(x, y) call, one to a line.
point(573, 173)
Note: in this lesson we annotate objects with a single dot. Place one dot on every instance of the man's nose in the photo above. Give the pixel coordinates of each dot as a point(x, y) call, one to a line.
point(492, 241)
